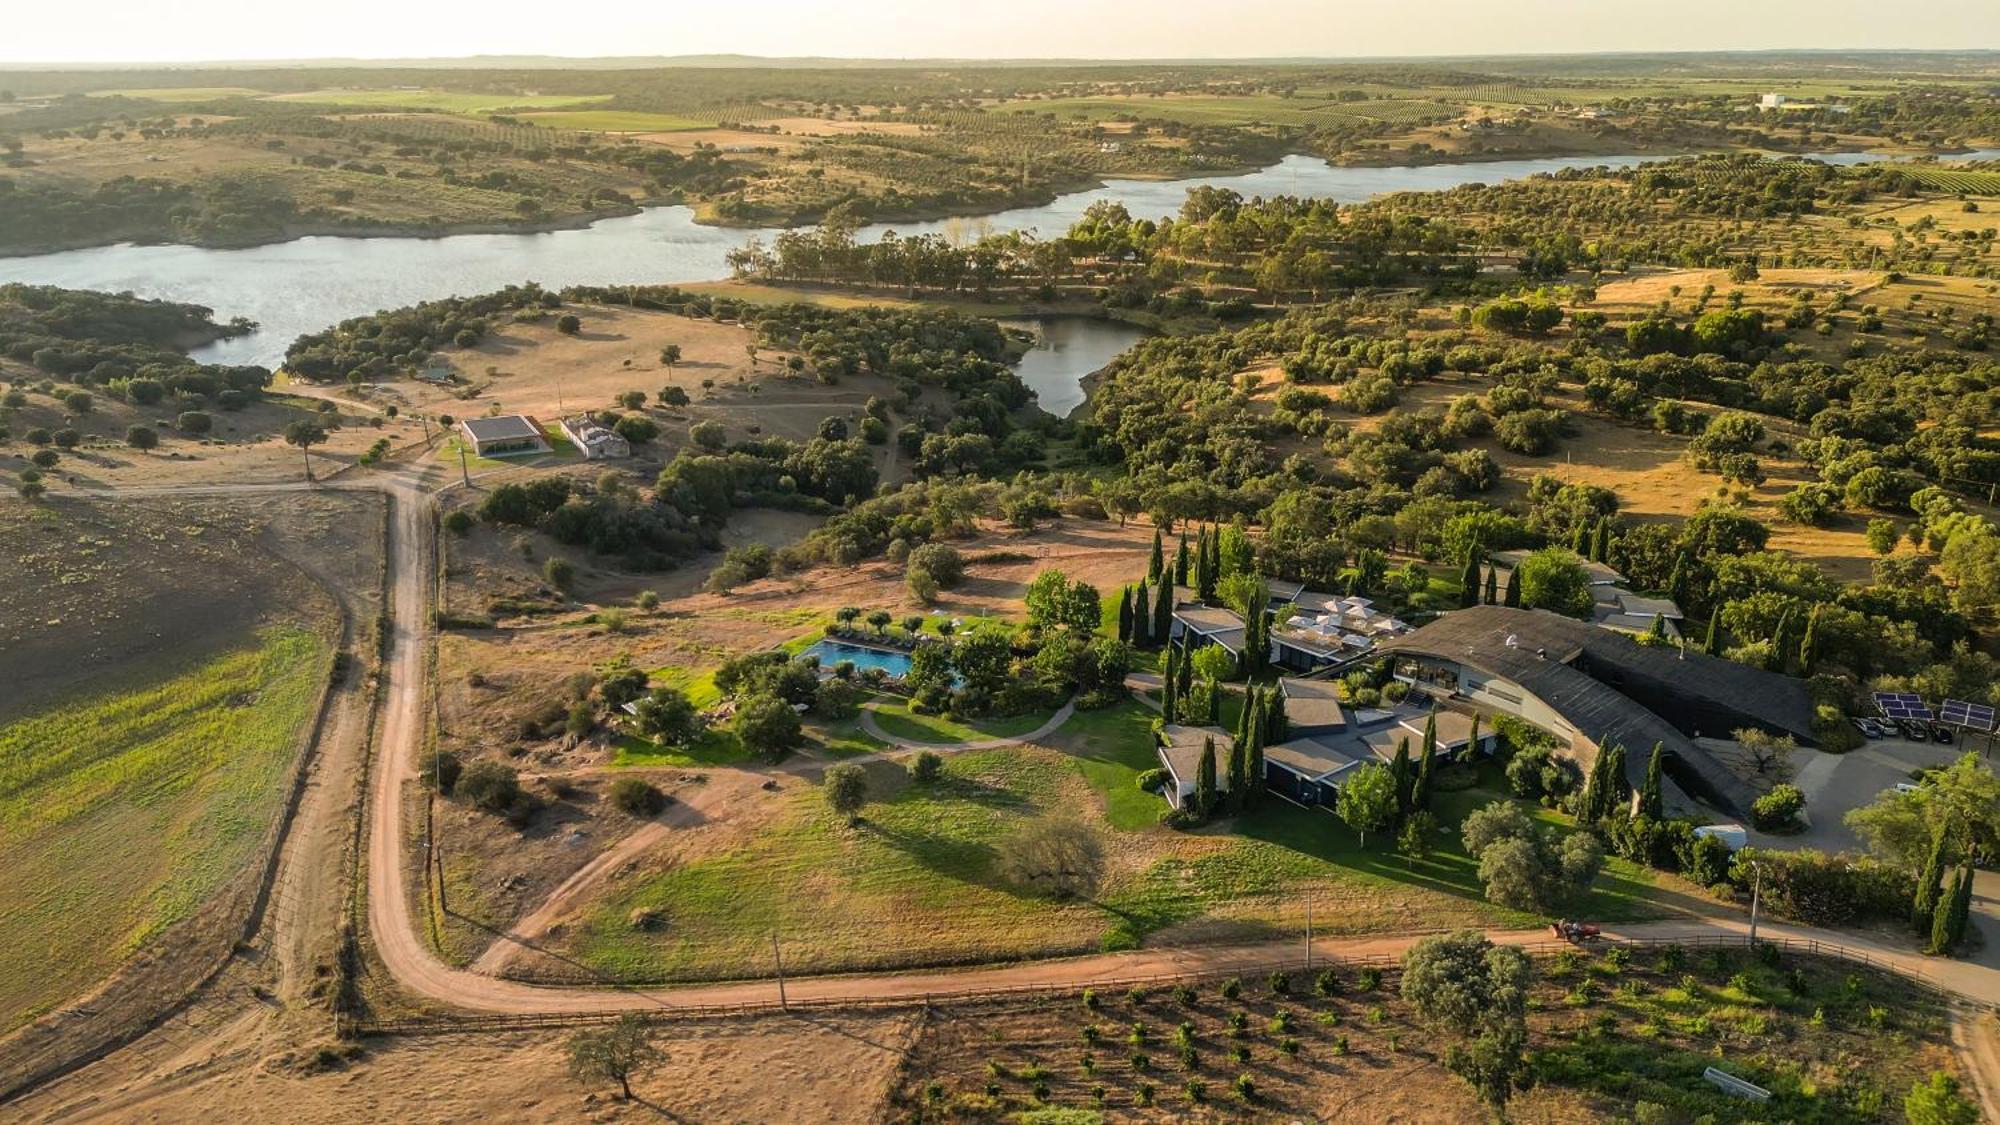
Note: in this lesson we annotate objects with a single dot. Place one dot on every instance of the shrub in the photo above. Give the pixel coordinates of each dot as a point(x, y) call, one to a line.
point(441, 768)
point(489, 785)
point(635, 796)
point(142, 437)
point(926, 767)
point(1778, 810)
point(194, 422)
point(1152, 780)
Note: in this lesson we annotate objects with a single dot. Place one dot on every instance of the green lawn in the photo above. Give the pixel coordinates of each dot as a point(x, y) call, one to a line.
point(918, 883)
point(1111, 748)
point(120, 813)
point(896, 718)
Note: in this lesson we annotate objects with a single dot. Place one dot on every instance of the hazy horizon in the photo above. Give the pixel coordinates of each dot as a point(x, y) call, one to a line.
point(195, 32)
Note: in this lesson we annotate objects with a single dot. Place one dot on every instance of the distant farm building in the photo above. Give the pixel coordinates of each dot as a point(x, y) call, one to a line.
point(1773, 101)
point(595, 442)
point(504, 434)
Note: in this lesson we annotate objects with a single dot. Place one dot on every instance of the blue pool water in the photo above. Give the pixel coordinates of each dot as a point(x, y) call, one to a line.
point(831, 653)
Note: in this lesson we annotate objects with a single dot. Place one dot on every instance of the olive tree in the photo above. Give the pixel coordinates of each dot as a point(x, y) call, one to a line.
point(615, 1054)
point(1465, 986)
point(1057, 855)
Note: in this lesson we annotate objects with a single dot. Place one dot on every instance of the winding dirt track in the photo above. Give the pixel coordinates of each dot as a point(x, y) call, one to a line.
point(414, 967)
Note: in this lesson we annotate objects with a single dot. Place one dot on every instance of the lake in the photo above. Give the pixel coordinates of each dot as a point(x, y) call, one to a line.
point(291, 288)
point(1067, 349)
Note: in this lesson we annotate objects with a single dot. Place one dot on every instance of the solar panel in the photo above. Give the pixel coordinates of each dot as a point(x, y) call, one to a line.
point(1903, 705)
point(1973, 716)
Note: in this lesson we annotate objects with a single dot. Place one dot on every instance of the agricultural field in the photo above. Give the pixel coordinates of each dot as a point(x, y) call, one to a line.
point(616, 121)
point(181, 93)
point(164, 659)
point(1259, 109)
point(193, 763)
point(1608, 1033)
point(448, 101)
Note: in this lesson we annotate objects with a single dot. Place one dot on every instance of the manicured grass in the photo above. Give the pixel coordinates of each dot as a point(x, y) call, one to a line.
point(896, 718)
point(120, 813)
point(617, 121)
point(1111, 748)
point(447, 101)
point(918, 883)
point(717, 747)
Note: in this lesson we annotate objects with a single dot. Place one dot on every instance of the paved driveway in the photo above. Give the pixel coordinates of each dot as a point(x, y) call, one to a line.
point(1836, 783)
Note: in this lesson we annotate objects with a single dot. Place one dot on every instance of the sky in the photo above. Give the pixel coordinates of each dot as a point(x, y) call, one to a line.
point(98, 31)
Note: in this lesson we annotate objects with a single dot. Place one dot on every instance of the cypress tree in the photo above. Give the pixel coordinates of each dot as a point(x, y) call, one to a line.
point(1492, 585)
point(1657, 631)
point(1961, 903)
point(1204, 780)
point(1169, 705)
point(1776, 661)
point(1208, 561)
point(1468, 579)
point(1943, 939)
point(1677, 581)
point(1182, 564)
point(1420, 789)
point(1125, 614)
point(1580, 541)
point(1405, 777)
point(1513, 589)
point(1142, 618)
point(1591, 801)
point(1254, 765)
point(1652, 799)
point(1156, 561)
point(1600, 539)
point(1163, 614)
point(1243, 715)
point(1277, 724)
point(1186, 666)
point(1712, 644)
point(1930, 889)
point(1809, 644)
point(1239, 773)
point(1616, 795)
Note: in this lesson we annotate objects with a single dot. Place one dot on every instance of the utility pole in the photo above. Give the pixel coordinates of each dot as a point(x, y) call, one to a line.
point(1756, 890)
point(463, 472)
point(778, 958)
point(1309, 930)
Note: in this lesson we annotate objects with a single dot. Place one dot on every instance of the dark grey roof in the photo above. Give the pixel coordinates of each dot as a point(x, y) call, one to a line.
point(504, 427)
point(1608, 685)
point(1312, 703)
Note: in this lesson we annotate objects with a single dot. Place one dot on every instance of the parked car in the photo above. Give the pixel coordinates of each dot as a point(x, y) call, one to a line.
point(1867, 728)
point(1906, 787)
point(1941, 733)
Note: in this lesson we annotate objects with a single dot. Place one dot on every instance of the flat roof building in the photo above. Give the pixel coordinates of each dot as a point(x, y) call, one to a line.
point(503, 434)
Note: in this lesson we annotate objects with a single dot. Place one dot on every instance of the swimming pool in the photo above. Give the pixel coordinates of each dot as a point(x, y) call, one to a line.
point(830, 653)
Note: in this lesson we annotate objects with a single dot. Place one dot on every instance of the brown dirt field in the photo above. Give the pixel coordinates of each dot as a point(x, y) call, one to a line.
point(821, 127)
point(804, 1069)
point(245, 444)
point(532, 368)
point(94, 589)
